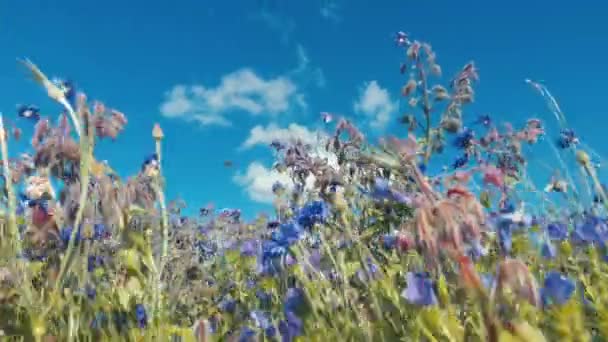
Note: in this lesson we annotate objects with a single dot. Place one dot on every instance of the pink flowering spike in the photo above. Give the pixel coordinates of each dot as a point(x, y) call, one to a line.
point(17, 133)
point(99, 108)
point(413, 51)
point(533, 134)
point(40, 131)
point(493, 175)
point(64, 126)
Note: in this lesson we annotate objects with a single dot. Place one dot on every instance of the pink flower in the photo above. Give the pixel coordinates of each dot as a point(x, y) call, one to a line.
point(493, 175)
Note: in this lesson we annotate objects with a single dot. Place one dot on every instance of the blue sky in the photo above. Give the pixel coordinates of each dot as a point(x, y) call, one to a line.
point(218, 74)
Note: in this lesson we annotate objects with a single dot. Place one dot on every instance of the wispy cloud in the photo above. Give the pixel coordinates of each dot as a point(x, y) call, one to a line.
point(330, 10)
point(281, 23)
point(258, 180)
point(375, 103)
point(239, 91)
point(305, 71)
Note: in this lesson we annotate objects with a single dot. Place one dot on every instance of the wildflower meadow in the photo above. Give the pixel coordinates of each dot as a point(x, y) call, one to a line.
point(369, 245)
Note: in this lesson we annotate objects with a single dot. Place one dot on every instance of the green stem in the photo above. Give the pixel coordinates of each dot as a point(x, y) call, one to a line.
point(12, 219)
point(426, 108)
point(85, 161)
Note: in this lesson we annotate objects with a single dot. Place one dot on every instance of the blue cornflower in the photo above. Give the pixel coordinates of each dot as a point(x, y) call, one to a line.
point(100, 231)
point(149, 160)
point(264, 298)
point(557, 231)
point(592, 230)
point(464, 139)
point(263, 321)
point(248, 248)
point(90, 291)
point(484, 120)
point(66, 233)
point(247, 334)
point(69, 91)
point(460, 161)
point(422, 167)
point(566, 139)
point(389, 241)
point(293, 299)
point(420, 289)
point(141, 316)
point(312, 213)
point(507, 208)
point(93, 262)
point(289, 233)
point(227, 304)
point(28, 112)
point(382, 191)
point(557, 289)
point(370, 270)
point(291, 327)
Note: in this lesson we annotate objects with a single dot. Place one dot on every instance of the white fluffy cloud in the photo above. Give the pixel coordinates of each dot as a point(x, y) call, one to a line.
point(242, 90)
point(258, 181)
point(260, 135)
point(375, 103)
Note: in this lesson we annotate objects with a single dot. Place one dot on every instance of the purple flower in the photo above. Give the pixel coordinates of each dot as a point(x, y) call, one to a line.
point(294, 299)
point(420, 290)
point(557, 289)
point(401, 39)
point(227, 305)
point(291, 327)
point(460, 161)
point(141, 316)
point(248, 248)
point(464, 139)
point(592, 230)
point(100, 231)
point(28, 112)
point(484, 120)
point(557, 231)
point(247, 334)
point(382, 191)
point(566, 139)
point(369, 271)
point(389, 241)
point(312, 213)
point(66, 233)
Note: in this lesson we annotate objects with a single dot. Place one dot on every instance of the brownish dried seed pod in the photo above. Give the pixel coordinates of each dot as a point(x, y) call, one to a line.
point(413, 51)
point(409, 87)
point(514, 276)
point(451, 124)
point(436, 69)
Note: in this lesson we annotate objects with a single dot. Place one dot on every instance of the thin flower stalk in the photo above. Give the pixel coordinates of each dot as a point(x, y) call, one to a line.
point(12, 219)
